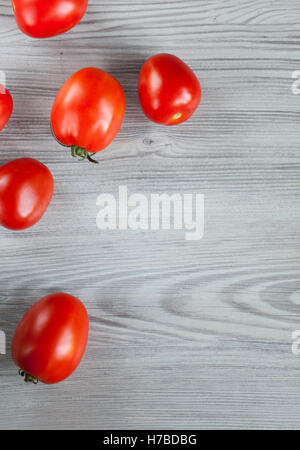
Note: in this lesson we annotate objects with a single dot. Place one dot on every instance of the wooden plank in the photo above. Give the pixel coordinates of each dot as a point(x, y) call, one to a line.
point(183, 334)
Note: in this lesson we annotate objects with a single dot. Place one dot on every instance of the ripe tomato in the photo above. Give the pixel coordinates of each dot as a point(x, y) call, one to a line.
point(47, 18)
point(51, 338)
point(6, 106)
point(169, 90)
point(88, 112)
point(26, 188)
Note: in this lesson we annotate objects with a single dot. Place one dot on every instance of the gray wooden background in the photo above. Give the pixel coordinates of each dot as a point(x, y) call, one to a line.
point(183, 334)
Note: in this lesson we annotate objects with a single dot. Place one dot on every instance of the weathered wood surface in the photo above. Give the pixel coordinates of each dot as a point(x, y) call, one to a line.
point(183, 334)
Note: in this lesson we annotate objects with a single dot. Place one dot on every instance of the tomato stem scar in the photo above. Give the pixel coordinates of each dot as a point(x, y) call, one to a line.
point(177, 116)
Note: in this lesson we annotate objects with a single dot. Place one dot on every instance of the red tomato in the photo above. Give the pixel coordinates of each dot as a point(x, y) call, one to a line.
point(47, 18)
point(88, 112)
point(169, 90)
point(51, 338)
point(26, 188)
point(6, 106)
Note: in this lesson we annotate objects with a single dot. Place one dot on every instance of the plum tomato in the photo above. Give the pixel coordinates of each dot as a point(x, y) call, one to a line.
point(51, 339)
point(169, 91)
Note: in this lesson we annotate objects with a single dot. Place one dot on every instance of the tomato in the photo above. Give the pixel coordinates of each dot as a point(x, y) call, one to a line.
point(6, 106)
point(26, 188)
point(169, 90)
point(47, 18)
point(88, 112)
point(51, 338)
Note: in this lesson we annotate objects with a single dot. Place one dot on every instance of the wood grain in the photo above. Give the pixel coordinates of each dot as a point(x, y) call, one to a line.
point(183, 335)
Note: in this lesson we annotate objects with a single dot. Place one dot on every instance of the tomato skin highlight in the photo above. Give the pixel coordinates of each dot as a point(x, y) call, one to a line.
point(169, 91)
point(51, 338)
point(26, 188)
point(88, 111)
point(47, 18)
point(6, 106)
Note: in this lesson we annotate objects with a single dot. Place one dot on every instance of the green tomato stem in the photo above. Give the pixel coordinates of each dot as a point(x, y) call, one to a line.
point(82, 154)
point(77, 152)
point(28, 378)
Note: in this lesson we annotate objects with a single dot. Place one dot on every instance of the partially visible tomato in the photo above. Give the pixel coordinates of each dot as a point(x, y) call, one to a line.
point(88, 112)
point(6, 106)
point(169, 90)
point(26, 188)
point(51, 339)
point(47, 18)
